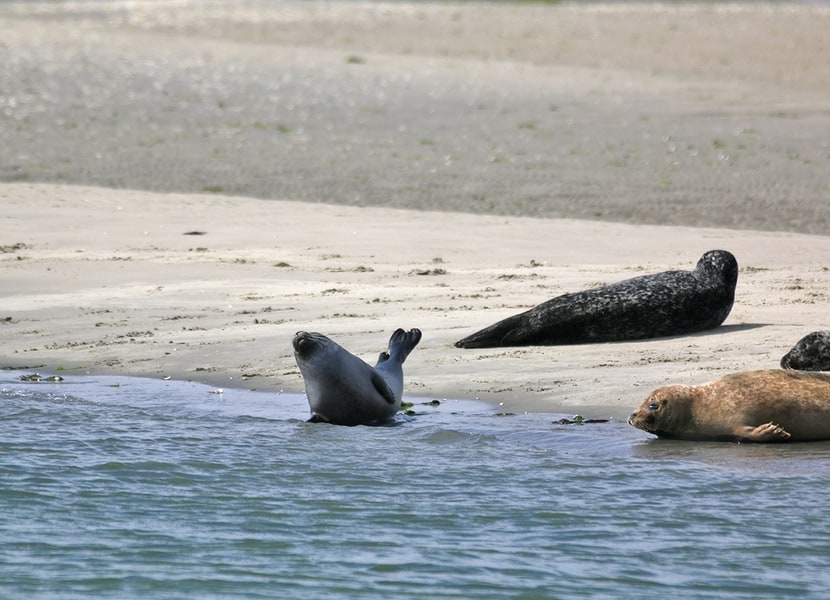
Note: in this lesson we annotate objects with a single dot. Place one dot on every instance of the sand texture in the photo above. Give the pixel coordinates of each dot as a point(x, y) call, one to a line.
point(140, 293)
point(354, 167)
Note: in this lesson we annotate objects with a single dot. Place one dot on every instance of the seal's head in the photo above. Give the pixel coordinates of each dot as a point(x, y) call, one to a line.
point(721, 265)
point(811, 353)
point(666, 412)
point(306, 344)
point(314, 352)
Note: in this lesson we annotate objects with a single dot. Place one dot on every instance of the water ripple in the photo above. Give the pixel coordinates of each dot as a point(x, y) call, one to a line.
point(110, 492)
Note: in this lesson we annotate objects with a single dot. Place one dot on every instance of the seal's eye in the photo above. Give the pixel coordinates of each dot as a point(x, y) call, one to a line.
point(653, 406)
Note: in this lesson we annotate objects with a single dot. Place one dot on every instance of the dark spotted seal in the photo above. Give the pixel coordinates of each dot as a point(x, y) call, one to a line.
point(750, 406)
point(343, 389)
point(811, 353)
point(662, 304)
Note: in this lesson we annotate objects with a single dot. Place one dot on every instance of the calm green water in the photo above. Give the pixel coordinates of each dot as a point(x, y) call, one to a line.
point(164, 490)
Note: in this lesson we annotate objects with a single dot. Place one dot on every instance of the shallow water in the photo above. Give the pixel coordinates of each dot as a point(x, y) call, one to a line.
point(137, 488)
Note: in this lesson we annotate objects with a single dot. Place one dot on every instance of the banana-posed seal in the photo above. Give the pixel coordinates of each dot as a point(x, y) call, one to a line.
point(748, 406)
point(343, 389)
point(810, 353)
point(661, 304)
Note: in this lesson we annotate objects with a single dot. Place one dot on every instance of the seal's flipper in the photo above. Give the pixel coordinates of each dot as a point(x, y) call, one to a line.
point(499, 334)
point(402, 343)
point(768, 432)
point(315, 418)
point(382, 387)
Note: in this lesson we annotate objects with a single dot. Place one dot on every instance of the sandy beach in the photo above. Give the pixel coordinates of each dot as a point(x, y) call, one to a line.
point(185, 185)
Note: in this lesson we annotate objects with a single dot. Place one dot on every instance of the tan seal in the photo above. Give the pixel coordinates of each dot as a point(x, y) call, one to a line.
point(749, 406)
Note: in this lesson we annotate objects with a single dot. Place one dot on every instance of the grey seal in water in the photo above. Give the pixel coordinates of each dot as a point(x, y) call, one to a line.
point(748, 406)
point(810, 353)
point(343, 389)
point(662, 304)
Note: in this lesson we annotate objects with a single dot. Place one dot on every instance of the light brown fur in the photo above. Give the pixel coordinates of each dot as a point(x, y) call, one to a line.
point(751, 406)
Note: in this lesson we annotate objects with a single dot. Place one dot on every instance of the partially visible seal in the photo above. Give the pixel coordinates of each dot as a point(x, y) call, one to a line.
point(749, 406)
point(343, 389)
point(662, 304)
point(811, 353)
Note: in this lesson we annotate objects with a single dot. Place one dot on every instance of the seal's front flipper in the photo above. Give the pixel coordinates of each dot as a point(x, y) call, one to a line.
point(382, 387)
point(402, 343)
point(768, 432)
point(315, 418)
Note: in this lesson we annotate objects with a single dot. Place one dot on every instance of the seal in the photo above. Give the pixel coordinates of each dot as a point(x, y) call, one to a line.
point(748, 406)
point(810, 353)
point(343, 389)
point(661, 304)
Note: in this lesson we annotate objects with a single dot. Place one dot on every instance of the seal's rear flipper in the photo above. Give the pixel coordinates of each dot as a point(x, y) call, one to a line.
point(402, 343)
point(499, 334)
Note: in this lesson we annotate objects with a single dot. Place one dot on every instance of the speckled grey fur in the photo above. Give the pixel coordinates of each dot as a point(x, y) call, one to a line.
point(811, 353)
point(662, 304)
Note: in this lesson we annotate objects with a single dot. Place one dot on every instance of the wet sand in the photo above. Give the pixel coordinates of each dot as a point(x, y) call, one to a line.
point(356, 167)
point(141, 293)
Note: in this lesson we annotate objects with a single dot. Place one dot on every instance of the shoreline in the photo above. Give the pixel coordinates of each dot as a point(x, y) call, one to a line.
point(439, 166)
point(143, 297)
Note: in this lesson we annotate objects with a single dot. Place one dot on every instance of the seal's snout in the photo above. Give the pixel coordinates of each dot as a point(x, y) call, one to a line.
point(636, 419)
point(302, 342)
point(644, 415)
